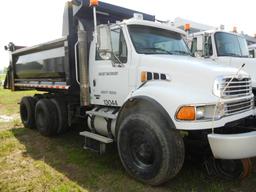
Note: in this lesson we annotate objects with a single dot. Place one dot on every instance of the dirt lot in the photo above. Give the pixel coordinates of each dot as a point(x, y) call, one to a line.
point(30, 162)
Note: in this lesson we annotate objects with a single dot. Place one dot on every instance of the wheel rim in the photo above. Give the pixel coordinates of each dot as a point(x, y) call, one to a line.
point(142, 151)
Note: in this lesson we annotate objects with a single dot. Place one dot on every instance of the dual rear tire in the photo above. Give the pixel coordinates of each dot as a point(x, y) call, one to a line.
point(27, 112)
point(49, 116)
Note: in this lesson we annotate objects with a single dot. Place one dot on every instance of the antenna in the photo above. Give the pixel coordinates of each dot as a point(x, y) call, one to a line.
point(219, 101)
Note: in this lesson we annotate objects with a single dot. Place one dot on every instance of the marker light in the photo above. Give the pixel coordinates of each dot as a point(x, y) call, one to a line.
point(143, 76)
point(187, 27)
point(186, 113)
point(94, 3)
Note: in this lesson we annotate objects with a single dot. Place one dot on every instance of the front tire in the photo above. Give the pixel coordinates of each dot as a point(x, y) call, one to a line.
point(149, 148)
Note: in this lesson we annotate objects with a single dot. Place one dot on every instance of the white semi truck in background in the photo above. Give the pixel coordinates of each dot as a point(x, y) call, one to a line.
point(222, 47)
point(135, 83)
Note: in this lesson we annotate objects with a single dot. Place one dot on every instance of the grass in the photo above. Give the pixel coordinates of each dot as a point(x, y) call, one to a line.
point(2, 76)
point(31, 162)
point(9, 100)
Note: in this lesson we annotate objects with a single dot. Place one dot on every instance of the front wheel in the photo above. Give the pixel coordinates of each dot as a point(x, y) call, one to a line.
point(229, 169)
point(149, 148)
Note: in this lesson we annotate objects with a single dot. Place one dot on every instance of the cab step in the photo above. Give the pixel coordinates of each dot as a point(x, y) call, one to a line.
point(95, 142)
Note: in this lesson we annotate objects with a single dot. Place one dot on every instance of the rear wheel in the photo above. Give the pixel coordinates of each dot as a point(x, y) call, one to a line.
point(150, 150)
point(27, 112)
point(46, 117)
point(62, 115)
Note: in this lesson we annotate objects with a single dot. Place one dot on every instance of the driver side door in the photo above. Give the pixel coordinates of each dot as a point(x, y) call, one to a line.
point(110, 77)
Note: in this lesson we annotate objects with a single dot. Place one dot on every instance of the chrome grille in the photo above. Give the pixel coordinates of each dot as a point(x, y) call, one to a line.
point(238, 106)
point(236, 88)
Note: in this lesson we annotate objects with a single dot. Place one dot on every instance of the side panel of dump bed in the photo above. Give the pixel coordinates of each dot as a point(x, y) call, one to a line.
point(42, 65)
point(46, 67)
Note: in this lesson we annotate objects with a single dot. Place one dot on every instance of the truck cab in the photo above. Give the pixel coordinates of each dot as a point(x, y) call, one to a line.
point(134, 82)
point(223, 48)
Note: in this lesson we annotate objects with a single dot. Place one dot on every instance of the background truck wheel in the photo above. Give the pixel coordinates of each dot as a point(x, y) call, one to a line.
point(62, 115)
point(27, 112)
point(229, 169)
point(149, 148)
point(46, 117)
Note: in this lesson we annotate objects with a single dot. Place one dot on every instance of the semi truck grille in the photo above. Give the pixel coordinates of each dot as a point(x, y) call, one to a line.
point(237, 87)
point(238, 106)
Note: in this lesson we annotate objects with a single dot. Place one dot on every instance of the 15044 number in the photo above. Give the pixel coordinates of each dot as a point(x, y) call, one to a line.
point(110, 102)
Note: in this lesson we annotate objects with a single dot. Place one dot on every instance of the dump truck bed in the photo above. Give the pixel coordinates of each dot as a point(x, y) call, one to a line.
point(45, 66)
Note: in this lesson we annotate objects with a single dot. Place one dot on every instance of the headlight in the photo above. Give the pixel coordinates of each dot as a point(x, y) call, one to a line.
point(200, 113)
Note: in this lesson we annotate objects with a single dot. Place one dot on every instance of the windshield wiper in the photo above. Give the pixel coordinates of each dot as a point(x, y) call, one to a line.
point(181, 52)
point(156, 49)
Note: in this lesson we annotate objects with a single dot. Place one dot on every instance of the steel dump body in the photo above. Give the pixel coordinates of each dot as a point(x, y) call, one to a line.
point(41, 64)
point(54, 65)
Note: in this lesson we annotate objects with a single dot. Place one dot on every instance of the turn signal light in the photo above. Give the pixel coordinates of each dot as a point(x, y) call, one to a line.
point(143, 76)
point(94, 3)
point(186, 113)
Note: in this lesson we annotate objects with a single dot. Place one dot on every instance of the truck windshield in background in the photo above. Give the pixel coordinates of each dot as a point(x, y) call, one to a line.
point(231, 45)
point(151, 40)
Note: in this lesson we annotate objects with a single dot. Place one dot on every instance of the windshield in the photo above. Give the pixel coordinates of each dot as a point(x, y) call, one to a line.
point(151, 40)
point(231, 45)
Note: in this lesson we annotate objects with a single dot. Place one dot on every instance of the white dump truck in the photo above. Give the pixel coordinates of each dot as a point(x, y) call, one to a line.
point(135, 83)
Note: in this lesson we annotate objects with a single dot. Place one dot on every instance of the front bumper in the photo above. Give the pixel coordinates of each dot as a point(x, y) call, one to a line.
point(233, 146)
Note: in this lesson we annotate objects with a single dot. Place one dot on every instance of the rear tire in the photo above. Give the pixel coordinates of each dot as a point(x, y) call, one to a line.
point(46, 117)
point(149, 148)
point(27, 112)
point(62, 115)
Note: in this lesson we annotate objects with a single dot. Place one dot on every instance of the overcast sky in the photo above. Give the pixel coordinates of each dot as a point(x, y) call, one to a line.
point(29, 22)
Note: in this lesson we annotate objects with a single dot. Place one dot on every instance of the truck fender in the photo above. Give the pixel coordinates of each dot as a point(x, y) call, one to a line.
point(141, 103)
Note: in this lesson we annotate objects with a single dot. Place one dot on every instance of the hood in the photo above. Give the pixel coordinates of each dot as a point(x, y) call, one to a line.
point(188, 66)
point(193, 73)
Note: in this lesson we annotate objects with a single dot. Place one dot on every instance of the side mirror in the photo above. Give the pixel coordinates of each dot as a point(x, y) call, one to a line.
point(104, 44)
point(199, 52)
point(200, 44)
